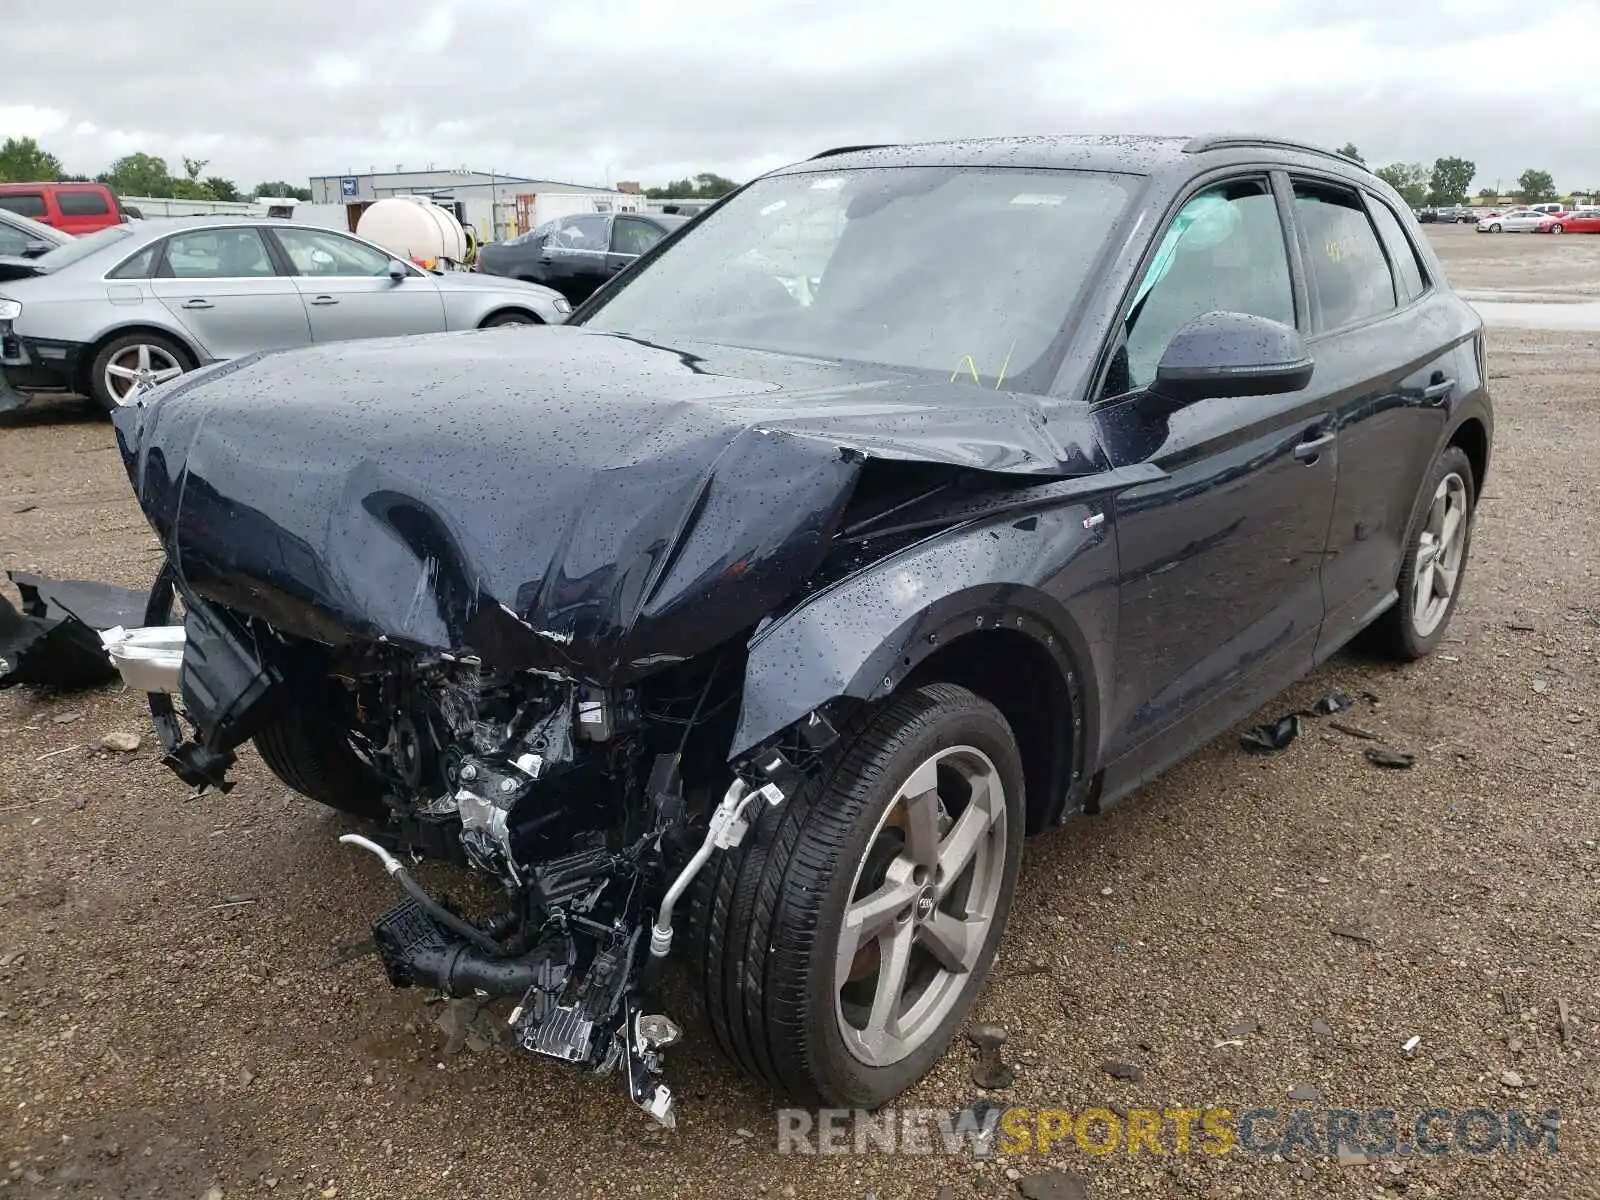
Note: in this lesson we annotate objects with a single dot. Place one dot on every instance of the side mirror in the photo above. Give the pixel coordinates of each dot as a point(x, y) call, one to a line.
point(1232, 354)
point(397, 270)
point(35, 248)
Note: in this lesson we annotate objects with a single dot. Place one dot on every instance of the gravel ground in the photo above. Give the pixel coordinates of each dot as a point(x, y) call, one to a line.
point(171, 1025)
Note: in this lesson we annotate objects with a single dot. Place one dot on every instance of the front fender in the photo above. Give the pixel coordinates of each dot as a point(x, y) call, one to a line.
point(1050, 575)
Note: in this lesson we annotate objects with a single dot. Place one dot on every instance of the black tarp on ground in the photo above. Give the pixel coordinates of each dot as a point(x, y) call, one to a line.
point(54, 640)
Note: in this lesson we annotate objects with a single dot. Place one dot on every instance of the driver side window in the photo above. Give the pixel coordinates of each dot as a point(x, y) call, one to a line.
point(1224, 251)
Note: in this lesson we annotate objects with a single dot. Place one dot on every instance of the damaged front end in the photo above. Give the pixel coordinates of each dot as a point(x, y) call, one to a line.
point(572, 797)
point(527, 654)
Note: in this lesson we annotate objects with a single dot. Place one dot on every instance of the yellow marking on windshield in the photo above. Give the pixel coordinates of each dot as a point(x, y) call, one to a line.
point(970, 363)
point(1005, 366)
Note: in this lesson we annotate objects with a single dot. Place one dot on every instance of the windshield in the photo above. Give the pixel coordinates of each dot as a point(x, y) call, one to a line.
point(970, 273)
point(68, 253)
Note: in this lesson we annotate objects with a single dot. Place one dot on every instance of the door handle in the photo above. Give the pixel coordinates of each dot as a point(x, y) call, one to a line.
point(1438, 393)
point(198, 304)
point(325, 300)
point(1310, 451)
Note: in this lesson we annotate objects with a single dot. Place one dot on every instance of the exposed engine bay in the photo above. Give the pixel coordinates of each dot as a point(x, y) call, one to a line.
point(590, 807)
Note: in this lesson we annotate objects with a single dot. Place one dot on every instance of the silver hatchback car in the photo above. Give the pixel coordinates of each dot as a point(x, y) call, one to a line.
point(117, 312)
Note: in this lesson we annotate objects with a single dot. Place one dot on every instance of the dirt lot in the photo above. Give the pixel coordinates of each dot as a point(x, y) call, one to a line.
point(170, 1024)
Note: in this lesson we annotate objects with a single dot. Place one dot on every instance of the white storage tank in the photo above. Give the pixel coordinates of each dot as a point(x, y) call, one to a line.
point(414, 228)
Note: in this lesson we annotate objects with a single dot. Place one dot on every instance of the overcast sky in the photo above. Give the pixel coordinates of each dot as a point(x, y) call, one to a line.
point(586, 90)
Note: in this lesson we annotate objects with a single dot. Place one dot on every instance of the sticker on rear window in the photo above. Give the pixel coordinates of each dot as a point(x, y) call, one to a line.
point(1037, 198)
point(774, 207)
point(827, 185)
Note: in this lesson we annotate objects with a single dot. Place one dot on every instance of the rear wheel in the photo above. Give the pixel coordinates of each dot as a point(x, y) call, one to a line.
point(1434, 568)
point(844, 944)
point(129, 366)
point(510, 318)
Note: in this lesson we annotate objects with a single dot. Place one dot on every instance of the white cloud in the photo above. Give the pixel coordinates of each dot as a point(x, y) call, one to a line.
point(646, 90)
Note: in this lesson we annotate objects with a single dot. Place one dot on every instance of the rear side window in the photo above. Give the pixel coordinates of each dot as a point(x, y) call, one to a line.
point(137, 267)
point(82, 204)
point(1409, 277)
point(29, 204)
point(1349, 271)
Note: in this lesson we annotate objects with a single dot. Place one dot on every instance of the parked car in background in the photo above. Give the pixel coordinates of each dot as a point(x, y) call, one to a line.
point(23, 237)
point(75, 208)
point(911, 501)
point(1515, 220)
point(576, 255)
point(1552, 209)
point(117, 312)
point(1583, 220)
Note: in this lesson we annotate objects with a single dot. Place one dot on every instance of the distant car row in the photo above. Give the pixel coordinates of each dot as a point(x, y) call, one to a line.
point(115, 313)
point(1540, 220)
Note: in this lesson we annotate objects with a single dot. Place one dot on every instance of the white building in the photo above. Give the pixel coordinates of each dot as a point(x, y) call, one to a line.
point(495, 206)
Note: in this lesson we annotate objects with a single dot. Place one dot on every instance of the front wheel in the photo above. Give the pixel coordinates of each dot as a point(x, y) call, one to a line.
point(844, 944)
point(1494, 228)
point(1557, 229)
point(1432, 572)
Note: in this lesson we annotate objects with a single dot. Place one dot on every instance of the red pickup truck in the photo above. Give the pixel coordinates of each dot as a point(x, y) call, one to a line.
point(75, 208)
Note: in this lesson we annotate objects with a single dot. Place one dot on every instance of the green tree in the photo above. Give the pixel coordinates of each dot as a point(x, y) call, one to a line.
point(191, 189)
point(1349, 151)
point(1450, 180)
point(280, 188)
point(707, 185)
point(22, 160)
point(1409, 179)
point(1535, 187)
point(222, 189)
point(139, 175)
point(1487, 193)
point(193, 166)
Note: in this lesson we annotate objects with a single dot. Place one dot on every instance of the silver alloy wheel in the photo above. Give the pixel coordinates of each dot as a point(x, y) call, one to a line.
point(1555, 229)
point(1441, 547)
point(137, 370)
point(922, 903)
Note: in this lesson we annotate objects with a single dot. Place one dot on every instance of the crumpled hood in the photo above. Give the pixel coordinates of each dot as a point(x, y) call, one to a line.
point(543, 498)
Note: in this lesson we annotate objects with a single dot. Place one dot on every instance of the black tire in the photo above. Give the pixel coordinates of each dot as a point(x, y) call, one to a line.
point(305, 747)
point(1395, 634)
point(118, 346)
point(510, 318)
point(766, 916)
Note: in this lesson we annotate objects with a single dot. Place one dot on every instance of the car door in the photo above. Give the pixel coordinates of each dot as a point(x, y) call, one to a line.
point(1387, 345)
point(573, 258)
point(223, 286)
point(1220, 592)
point(630, 237)
point(348, 289)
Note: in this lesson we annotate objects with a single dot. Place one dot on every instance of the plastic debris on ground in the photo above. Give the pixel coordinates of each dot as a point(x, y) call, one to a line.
point(1394, 760)
point(53, 641)
point(1270, 738)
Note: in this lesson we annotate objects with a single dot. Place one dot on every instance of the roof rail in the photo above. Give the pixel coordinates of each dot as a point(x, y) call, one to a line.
point(1233, 141)
point(848, 150)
